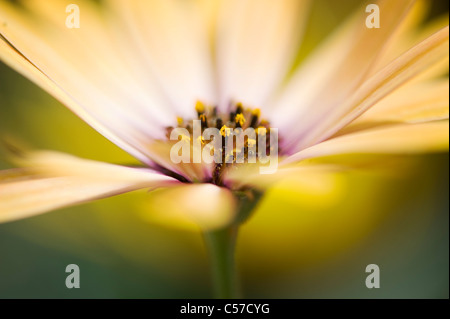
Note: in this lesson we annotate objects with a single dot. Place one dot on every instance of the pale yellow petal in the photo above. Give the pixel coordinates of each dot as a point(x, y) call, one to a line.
point(412, 62)
point(306, 176)
point(413, 33)
point(333, 71)
point(171, 40)
point(419, 102)
point(103, 53)
point(56, 164)
point(53, 180)
point(26, 198)
point(191, 171)
point(256, 43)
point(394, 139)
point(197, 205)
point(84, 70)
point(16, 60)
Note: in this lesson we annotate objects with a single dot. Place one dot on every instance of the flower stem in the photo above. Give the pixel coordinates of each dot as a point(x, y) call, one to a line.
point(221, 247)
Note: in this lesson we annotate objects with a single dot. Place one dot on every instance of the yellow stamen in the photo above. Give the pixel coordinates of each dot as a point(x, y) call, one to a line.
point(185, 138)
point(251, 142)
point(256, 112)
point(240, 119)
point(201, 139)
point(261, 130)
point(225, 131)
point(199, 107)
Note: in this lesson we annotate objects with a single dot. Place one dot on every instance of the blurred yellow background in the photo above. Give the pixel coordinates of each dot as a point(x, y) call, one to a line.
point(299, 244)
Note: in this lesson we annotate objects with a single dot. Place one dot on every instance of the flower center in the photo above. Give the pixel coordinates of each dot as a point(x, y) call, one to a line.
point(241, 136)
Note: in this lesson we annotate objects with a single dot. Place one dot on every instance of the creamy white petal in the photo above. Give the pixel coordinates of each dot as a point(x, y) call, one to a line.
point(419, 102)
point(13, 58)
point(200, 205)
point(413, 31)
point(171, 40)
point(51, 163)
point(394, 139)
point(54, 180)
point(409, 64)
point(304, 174)
point(334, 70)
point(103, 54)
point(39, 195)
point(80, 68)
point(191, 171)
point(256, 43)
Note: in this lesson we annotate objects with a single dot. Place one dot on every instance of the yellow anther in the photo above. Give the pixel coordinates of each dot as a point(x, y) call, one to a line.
point(185, 138)
point(229, 158)
point(225, 131)
point(240, 119)
point(201, 139)
point(256, 112)
point(261, 130)
point(251, 142)
point(199, 107)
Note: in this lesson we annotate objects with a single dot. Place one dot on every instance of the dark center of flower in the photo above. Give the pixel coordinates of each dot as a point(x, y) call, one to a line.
point(240, 124)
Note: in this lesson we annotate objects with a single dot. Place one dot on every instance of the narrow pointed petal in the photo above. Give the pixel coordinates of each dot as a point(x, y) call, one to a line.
point(15, 59)
point(200, 205)
point(54, 180)
point(171, 40)
point(422, 102)
point(394, 139)
point(256, 43)
point(305, 176)
point(50, 163)
point(412, 62)
point(335, 70)
point(84, 70)
point(191, 171)
point(413, 32)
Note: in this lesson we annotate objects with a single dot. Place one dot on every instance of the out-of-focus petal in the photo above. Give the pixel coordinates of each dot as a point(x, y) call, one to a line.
point(191, 171)
point(197, 205)
point(305, 175)
point(85, 70)
point(399, 71)
point(394, 139)
point(334, 70)
point(413, 31)
point(57, 180)
point(170, 39)
point(56, 164)
point(421, 102)
point(256, 43)
point(15, 59)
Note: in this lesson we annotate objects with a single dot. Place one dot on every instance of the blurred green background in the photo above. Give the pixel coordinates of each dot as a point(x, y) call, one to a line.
point(298, 244)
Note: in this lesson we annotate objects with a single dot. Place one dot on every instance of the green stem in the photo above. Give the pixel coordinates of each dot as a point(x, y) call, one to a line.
point(221, 247)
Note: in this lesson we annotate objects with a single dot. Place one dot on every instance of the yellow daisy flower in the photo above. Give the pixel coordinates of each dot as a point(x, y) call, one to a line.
point(134, 70)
